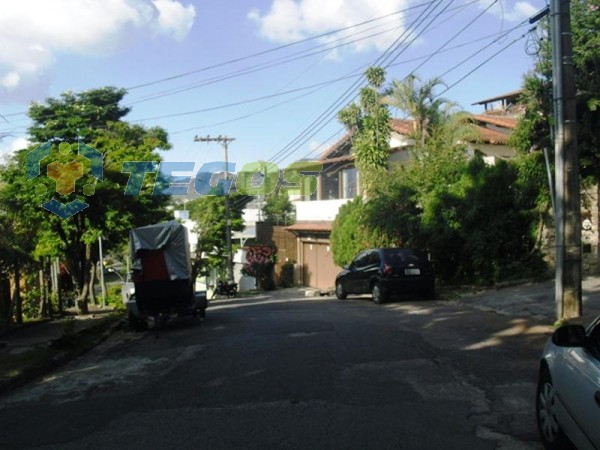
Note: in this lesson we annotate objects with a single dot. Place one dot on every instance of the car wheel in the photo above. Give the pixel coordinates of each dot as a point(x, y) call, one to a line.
point(339, 291)
point(378, 296)
point(551, 434)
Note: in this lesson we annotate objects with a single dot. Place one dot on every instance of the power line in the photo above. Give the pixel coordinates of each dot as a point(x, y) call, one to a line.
point(255, 68)
point(242, 102)
point(161, 94)
point(320, 123)
point(504, 34)
point(454, 84)
point(485, 62)
point(271, 50)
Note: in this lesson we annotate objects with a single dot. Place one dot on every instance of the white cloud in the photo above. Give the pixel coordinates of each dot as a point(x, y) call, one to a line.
point(7, 146)
point(517, 12)
point(291, 20)
point(32, 32)
point(174, 18)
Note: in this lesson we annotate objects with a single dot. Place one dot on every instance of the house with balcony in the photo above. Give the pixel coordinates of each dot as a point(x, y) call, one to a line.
point(339, 183)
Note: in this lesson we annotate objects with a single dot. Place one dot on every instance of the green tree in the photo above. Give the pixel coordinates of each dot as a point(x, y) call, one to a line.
point(17, 241)
point(348, 232)
point(419, 101)
point(533, 130)
point(278, 209)
point(369, 123)
point(389, 219)
point(209, 214)
point(95, 116)
point(72, 116)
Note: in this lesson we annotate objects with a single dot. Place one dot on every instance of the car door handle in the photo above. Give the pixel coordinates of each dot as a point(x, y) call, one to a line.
point(597, 397)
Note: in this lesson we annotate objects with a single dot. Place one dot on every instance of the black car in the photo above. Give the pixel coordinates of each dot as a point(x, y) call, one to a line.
point(385, 272)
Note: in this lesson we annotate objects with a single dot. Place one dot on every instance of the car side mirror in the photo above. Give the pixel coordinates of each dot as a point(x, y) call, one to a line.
point(569, 336)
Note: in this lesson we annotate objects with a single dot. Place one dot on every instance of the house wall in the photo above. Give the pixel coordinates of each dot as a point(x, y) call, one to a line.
point(496, 150)
point(402, 156)
point(590, 237)
point(319, 210)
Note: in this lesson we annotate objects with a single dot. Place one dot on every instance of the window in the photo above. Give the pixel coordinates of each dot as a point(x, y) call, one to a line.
point(350, 183)
point(361, 260)
point(374, 258)
point(330, 186)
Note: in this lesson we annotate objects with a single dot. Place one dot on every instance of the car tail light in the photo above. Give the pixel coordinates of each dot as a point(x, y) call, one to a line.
point(387, 270)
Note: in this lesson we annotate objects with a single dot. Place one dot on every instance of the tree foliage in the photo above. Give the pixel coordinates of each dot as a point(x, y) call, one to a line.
point(369, 123)
point(278, 209)
point(208, 212)
point(533, 131)
point(95, 116)
point(260, 263)
point(348, 233)
point(477, 221)
point(418, 99)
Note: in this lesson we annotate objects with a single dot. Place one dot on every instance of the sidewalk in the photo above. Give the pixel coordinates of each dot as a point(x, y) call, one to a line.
point(34, 348)
point(534, 299)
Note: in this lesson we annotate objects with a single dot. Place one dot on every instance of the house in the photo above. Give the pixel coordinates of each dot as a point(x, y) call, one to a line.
point(339, 182)
point(503, 105)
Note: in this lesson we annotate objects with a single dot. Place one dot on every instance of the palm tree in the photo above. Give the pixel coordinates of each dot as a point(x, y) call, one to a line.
point(419, 101)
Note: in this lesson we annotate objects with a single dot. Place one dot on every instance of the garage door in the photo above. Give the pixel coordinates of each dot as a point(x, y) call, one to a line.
point(318, 269)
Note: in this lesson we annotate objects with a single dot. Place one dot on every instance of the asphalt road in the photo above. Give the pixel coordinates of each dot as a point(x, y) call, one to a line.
point(294, 374)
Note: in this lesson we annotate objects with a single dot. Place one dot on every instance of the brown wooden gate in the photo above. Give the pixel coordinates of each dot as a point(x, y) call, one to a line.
point(318, 269)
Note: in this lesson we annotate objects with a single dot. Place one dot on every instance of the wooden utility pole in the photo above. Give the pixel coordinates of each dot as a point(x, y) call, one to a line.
point(568, 208)
point(224, 140)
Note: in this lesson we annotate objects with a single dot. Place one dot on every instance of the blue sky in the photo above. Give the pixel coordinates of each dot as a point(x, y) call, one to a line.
point(270, 73)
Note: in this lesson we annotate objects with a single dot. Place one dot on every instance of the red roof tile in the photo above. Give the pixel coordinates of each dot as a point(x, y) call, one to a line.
point(402, 126)
point(504, 122)
point(488, 136)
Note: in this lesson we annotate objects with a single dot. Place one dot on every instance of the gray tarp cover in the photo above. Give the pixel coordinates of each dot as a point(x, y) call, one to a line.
point(172, 238)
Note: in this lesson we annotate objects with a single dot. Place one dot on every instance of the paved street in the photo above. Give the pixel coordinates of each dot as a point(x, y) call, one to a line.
point(295, 373)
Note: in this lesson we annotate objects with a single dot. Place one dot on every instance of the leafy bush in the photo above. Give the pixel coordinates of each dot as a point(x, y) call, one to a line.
point(389, 219)
point(260, 261)
point(348, 234)
point(287, 274)
point(30, 305)
point(477, 221)
point(114, 298)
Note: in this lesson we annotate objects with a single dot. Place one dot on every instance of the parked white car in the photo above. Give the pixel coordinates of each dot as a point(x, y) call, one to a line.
point(568, 392)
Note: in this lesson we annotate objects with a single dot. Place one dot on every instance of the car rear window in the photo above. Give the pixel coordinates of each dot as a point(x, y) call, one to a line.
point(399, 256)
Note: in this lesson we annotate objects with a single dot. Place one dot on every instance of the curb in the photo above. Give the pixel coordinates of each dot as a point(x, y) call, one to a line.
point(64, 355)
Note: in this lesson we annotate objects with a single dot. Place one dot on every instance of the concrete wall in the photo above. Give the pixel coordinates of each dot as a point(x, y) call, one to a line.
point(590, 230)
point(590, 233)
point(319, 209)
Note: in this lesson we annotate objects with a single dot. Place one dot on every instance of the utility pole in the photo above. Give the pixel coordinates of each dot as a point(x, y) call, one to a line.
point(101, 262)
point(568, 208)
point(224, 140)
